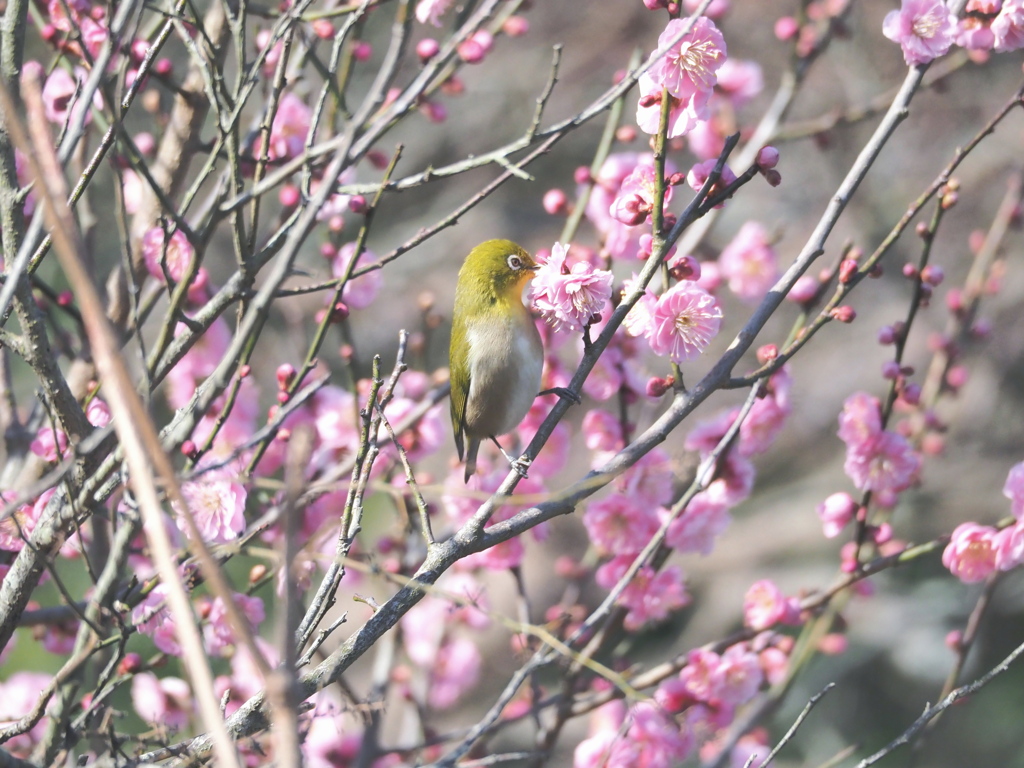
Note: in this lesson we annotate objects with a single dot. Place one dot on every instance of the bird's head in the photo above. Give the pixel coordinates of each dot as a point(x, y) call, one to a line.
point(501, 265)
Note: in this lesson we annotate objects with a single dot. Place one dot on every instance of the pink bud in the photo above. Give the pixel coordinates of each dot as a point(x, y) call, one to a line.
point(626, 134)
point(833, 644)
point(48, 32)
point(285, 375)
point(244, 371)
point(555, 202)
point(362, 51)
point(844, 314)
point(653, 5)
point(516, 26)
point(427, 48)
point(289, 196)
point(767, 158)
point(65, 299)
point(890, 369)
point(163, 67)
point(378, 159)
point(886, 335)
point(786, 28)
point(684, 268)
point(847, 269)
point(955, 301)
point(582, 175)
point(933, 275)
point(357, 204)
point(955, 640)
point(803, 290)
point(956, 377)
point(656, 387)
point(323, 29)
point(767, 353)
point(911, 394)
point(910, 271)
point(773, 177)
point(339, 312)
point(188, 448)
point(471, 52)
point(283, 396)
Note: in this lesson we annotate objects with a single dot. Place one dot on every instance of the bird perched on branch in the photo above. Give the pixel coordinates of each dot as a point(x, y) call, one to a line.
point(496, 355)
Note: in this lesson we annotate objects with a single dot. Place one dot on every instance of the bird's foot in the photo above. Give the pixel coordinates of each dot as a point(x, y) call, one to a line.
point(564, 392)
point(521, 465)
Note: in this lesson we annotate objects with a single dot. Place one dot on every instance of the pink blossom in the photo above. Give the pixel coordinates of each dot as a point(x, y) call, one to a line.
point(217, 504)
point(431, 11)
point(861, 420)
point(763, 424)
point(1008, 26)
point(616, 371)
point(705, 140)
point(639, 320)
point(602, 433)
point(683, 114)
point(617, 525)
point(774, 664)
point(152, 617)
point(16, 528)
point(707, 433)
point(688, 66)
point(737, 678)
point(426, 623)
point(649, 481)
point(290, 127)
point(219, 635)
point(59, 638)
point(971, 552)
point(734, 481)
point(749, 263)
point(50, 444)
point(750, 752)
point(697, 675)
point(456, 669)
point(1013, 489)
point(59, 96)
point(67, 17)
point(166, 701)
point(835, 512)
point(925, 29)
point(764, 605)
point(327, 746)
point(360, 292)
point(619, 240)
point(886, 464)
point(803, 290)
point(568, 298)
point(658, 737)
point(697, 528)
point(699, 173)
point(334, 419)
point(177, 255)
point(740, 80)
point(684, 321)
point(650, 596)
point(606, 749)
point(975, 34)
point(1009, 544)
point(635, 200)
point(19, 695)
point(716, 9)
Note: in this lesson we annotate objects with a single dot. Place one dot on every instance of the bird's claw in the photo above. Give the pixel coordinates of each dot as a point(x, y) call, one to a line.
point(521, 465)
point(564, 392)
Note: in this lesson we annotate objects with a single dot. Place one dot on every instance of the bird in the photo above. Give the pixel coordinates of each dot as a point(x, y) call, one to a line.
point(496, 355)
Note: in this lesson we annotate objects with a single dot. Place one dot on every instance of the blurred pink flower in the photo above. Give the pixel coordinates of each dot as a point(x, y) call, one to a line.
point(697, 675)
point(684, 321)
point(166, 701)
point(567, 297)
point(835, 512)
point(606, 749)
point(700, 524)
point(431, 11)
point(455, 671)
point(19, 695)
point(219, 635)
point(617, 525)
point(217, 504)
point(1009, 544)
point(359, 292)
point(764, 605)
point(635, 199)
point(887, 463)
point(657, 736)
point(649, 481)
point(740, 80)
point(177, 254)
point(153, 618)
point(290, 127)
point(971, 552)
point(1008, 26)
point(860, 421)
point(925, 29)
point(749, 263)
point(650, 596)
point(59, 95)
point(50, 445)
point(1013, 489)
point(738, 676)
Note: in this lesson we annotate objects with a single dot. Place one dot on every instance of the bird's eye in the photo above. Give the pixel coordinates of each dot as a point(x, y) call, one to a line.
point(514, 262)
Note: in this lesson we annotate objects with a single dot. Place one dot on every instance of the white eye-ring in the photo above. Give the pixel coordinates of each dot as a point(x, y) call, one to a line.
point(514, 262)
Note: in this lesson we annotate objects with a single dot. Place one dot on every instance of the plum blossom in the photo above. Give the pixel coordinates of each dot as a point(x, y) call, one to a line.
point(740, 80)
point(636, 196)
point(617, 525)
point(1013, 489)
point(835, 512)
point(682, 321)
point(217, 631)
point(217, 504)
point(166, 701)
point(176, 253)
point(152, 617)
point(456, 669)
point(290, 127)
point(971, 552)
point(765, 605)
point(749, 263)
point(886, 464)
point(657, 736)
point(1009, 544)
point(60, 99)
point(1008, 26)
point(431, 11)
point(696, 529)
point(925, 29)
point(650, 596)
point(19, 694)
point(359, 292)
point(568, 298)
point(738, 676)
point(683, 115)
point(689, 65)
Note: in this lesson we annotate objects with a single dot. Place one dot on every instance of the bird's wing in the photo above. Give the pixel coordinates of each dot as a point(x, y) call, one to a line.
point(458, 365)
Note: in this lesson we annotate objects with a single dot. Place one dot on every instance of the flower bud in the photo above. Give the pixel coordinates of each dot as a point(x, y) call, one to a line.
point(786, 28)
point(357, 204)
point(890, 369)
point(767, 158)
point(626, 134)
point(847, 269)
point(323, 29)
point(362, 51)
point(773, 177)
point(910, 271)
point(516, 26)
point(285, 375)
point(656, 386)
point(289, 196)
point(427, 48)
point(130, 664)
point(555, 202)
point(933, 275)
point(844, 314)
point(767, 353)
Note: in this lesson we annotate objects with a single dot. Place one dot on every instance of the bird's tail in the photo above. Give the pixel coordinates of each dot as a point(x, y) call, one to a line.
point(471, 451)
